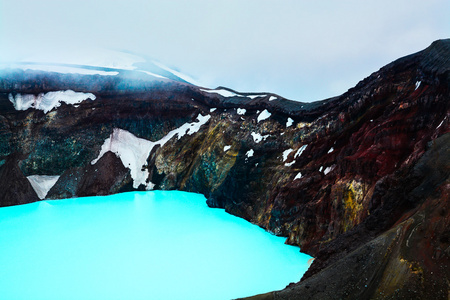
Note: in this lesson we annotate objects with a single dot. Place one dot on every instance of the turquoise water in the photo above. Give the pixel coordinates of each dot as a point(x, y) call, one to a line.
point(139, 245)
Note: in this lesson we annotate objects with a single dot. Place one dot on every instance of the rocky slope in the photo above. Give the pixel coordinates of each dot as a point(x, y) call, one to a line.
point(359, 181)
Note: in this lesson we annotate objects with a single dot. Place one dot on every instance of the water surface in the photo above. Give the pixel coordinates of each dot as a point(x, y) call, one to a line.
point(139, 245)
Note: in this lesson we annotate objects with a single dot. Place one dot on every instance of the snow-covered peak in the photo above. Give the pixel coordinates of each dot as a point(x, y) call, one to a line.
point(178, 74)
point(80, 56)
point(63, 69)
point(92, 61)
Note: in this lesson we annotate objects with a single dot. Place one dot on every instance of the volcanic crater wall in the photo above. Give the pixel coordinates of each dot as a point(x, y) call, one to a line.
point(359, 181)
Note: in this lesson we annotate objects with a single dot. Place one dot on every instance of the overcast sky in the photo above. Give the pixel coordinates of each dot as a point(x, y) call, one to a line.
point(302, 50)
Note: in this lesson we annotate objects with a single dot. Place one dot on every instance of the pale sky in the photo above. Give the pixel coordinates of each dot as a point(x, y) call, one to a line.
point(302, 50)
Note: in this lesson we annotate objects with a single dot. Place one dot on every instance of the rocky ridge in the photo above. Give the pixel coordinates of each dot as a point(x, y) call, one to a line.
point(359, 181)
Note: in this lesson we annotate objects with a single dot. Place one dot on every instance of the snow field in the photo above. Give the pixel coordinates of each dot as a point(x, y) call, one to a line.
point(48, 101)
point(134, 151)
point(42, 184)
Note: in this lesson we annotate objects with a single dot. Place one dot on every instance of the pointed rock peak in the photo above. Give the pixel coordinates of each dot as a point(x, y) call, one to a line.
point(15, 187)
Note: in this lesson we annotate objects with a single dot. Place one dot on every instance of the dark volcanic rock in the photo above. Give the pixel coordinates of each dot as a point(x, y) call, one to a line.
point(67, 184)
point(410, 253)
point(107, 176)
point(14, 186)
point(359, 181)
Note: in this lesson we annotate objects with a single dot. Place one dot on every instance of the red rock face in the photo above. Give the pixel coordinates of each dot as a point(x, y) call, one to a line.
point(358, 181)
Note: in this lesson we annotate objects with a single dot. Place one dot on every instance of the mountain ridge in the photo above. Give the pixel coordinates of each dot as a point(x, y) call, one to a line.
point(353, 180)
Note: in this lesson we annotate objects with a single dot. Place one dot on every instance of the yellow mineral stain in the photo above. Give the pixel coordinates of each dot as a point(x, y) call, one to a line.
point(352, 199)
point(303, 124)
point(211, 150)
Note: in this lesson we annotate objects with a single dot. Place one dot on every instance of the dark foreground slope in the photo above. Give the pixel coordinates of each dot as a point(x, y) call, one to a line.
point(360, 181)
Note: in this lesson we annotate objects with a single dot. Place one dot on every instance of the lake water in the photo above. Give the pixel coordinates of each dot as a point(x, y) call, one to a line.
point(139, 245)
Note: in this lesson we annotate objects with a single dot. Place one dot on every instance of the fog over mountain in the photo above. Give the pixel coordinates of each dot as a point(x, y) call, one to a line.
point(301, 50)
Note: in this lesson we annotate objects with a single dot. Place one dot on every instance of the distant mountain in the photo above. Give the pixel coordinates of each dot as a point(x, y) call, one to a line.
point(101, 62)
point(359, 181)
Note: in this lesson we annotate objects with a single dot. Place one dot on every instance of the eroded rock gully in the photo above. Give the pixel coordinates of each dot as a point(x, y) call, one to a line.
point(359, 181)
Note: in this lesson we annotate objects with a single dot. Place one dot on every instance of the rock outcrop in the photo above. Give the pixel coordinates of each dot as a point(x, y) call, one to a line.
point(359, 181)
point(15, 188)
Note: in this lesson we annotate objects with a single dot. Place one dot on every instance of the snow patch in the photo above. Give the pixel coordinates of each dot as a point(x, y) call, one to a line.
point(289, 122)
point(258, 138)
point(273, 98)
point(321, 168)
point(286, 153)
point(300, 151)
point(221, 92)
point(42, 184)
point(328, 170)
point(298, 176)
point(265, 114)
point(250, 153)
point(226, 148)
point(255, 96)
point(290, 164)
point(153, 74)
point(212, 109)
point(48, 101)
point(134, 151)
point(331, 150)
point(187, 128)
point(418, 84)
point(440, 124)
point(241, 111)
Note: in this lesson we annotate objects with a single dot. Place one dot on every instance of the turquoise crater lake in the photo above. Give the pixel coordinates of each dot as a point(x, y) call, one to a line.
point(139, 245)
